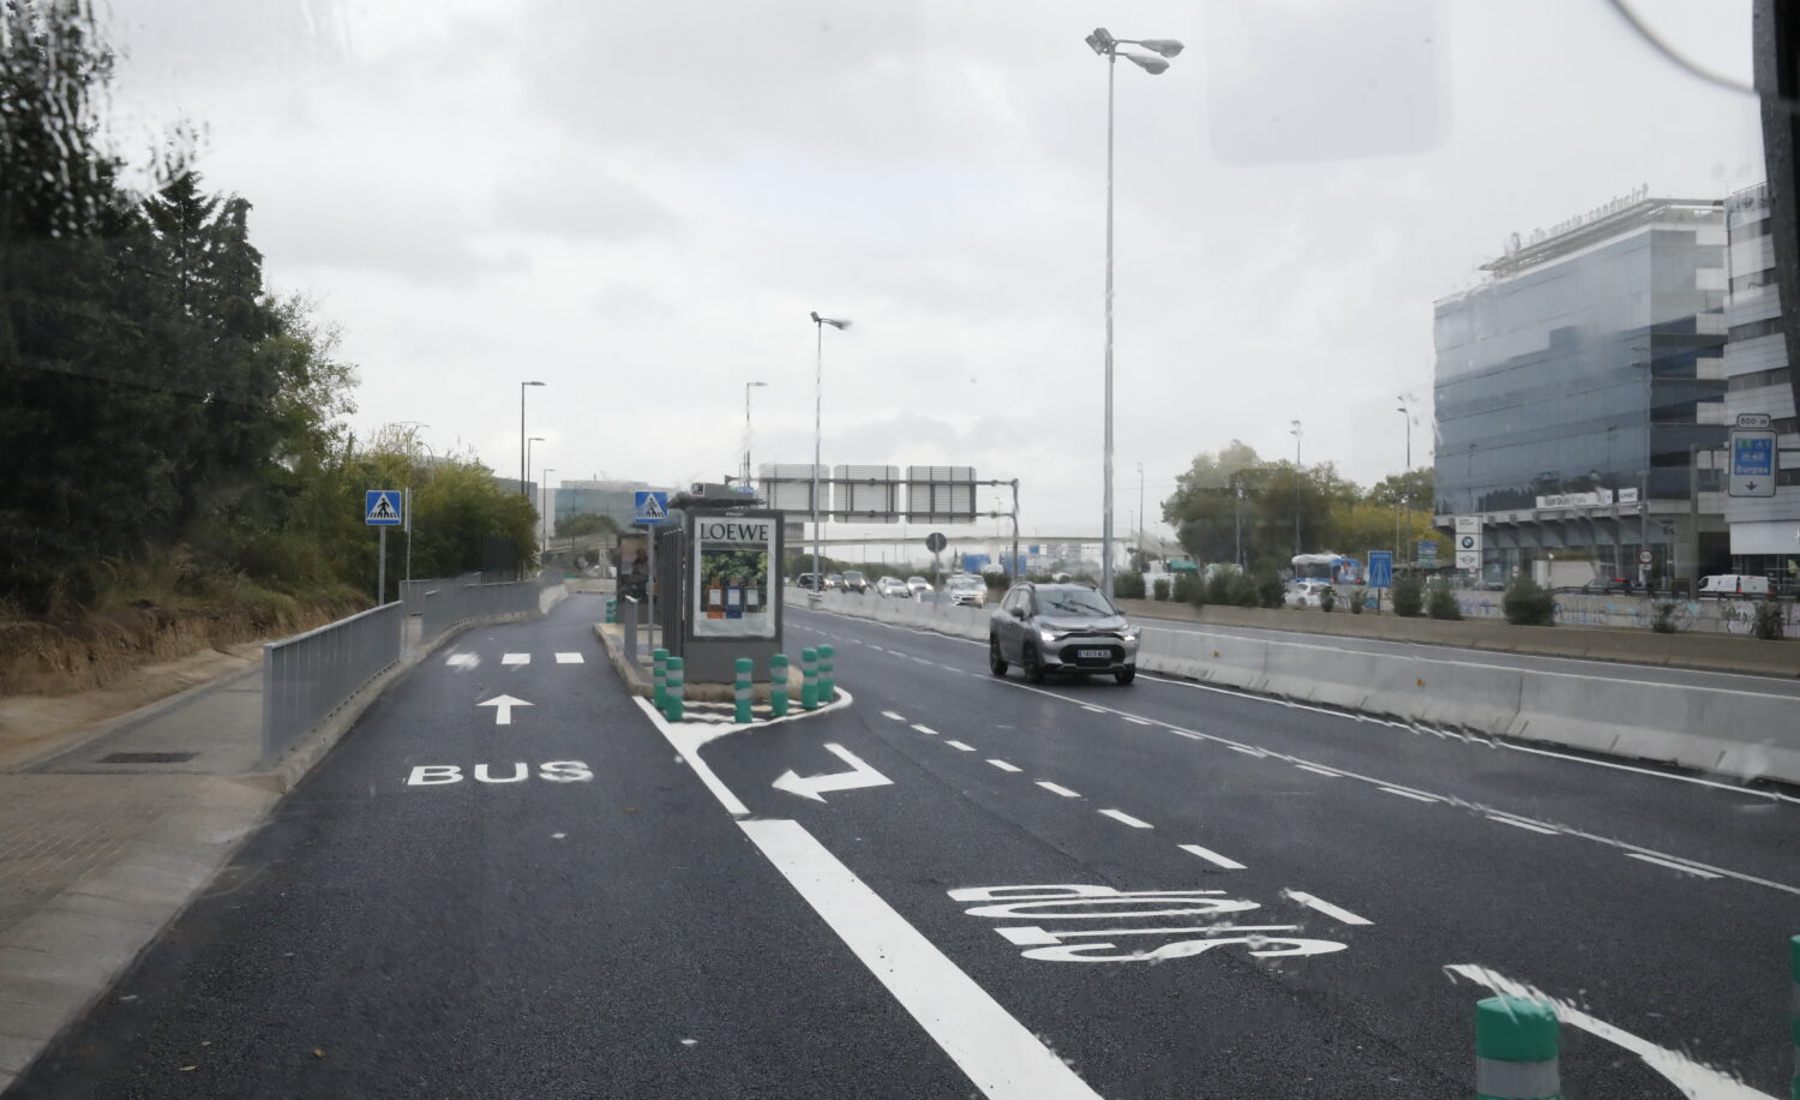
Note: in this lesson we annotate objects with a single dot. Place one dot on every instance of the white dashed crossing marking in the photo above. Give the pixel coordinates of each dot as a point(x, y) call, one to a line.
point(960, 747)
point(1517, 824)
point(569, 659)
point(1212, 857)
point(1335, 912)
point(1003, 766)
point(1414, 795)
point(1136, 721)
point(1247, 750)
point(1121, 815)
point(516, 659)
point(1669, 863)
point(1058, 788)
point(925, 729)
point(892, 716)
point(462, 660)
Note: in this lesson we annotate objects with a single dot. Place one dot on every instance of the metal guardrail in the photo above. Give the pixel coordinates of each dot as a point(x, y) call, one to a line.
point(308, 676)
point(452, 602)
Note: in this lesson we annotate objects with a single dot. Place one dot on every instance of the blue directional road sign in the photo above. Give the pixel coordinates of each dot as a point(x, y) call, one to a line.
point(1752, 463)
point(1381, 569)
point(382, 508)
point(652, 508)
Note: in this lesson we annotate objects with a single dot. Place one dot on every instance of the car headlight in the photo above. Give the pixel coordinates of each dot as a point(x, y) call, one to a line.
point(1049, 636)
point(1131, 633)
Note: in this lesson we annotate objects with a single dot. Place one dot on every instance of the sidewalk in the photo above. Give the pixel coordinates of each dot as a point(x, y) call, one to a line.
point(106, 836)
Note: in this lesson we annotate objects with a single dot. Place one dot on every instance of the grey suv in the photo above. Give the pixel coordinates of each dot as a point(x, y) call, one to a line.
point(1047, 628)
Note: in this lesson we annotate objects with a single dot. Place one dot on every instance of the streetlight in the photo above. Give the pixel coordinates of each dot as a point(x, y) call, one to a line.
point(1294, 430)
point(413, 437)
point(1104, 44)
point(748, 386)
point(522, 459)
point(1405, 495)
point(528, 443)
point(546, 498)
point(1140, 513)
point(819, 323)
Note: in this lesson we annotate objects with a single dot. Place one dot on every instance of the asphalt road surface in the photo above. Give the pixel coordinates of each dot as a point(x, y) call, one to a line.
point(955, 886)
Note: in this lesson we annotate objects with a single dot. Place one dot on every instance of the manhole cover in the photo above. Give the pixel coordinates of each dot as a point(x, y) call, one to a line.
point(148, 757)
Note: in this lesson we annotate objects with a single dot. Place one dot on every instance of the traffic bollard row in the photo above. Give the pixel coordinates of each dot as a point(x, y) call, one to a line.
point(827, 673)
point(673, 690)
point(740, 690)
point(809, 672)
point(778, 685)
point(1516, 1049)
point(659, 679)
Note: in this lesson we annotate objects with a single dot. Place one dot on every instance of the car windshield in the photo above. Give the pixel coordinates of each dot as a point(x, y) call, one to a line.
point(1073, 602)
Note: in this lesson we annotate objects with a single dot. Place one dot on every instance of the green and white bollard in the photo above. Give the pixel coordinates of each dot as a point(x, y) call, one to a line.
point(827, 673)
point(740, 690)
point(674, 690)
point(809, 671)
point(1794, 1022)
point(1516, 1050)
point(659, 679)
point(778, 685)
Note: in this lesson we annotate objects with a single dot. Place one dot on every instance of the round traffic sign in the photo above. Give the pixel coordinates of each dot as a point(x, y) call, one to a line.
point(935, 542)
point(1644, 557)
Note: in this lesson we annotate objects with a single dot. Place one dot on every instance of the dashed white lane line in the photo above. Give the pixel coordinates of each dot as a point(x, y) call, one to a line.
point(1335, 912)
point(1136, 721)
point(1000, 1055)
point(1530, 826)
point(1122, 816)
point(960, 747)
point(569, 659)
point(948, 668)
point(1212, 857)
point(891, 715)
point(1247, 750)
point(1682, 867)
point(462, 660)
point(1004, 766)
point(516, 659)
point(924, 729)
point(1327, 772)
point(1058, 788)
point(1093, 710)
point(1414, 795)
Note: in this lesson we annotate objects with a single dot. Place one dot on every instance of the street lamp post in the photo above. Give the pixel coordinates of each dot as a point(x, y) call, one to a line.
point(546, 506)
point(413, 437)
point(1295, 431)
point(528, 443)
point(1105, 45)
point(522, 459)
point(744, 480)
point(1140, 514)
point(819, 323)
point(1405, 495)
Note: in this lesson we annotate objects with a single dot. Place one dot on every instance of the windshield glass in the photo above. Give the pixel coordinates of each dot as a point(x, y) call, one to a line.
point(1072, 602)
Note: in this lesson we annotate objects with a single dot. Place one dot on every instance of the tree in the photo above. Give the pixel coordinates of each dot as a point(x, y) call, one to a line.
point(586, 523)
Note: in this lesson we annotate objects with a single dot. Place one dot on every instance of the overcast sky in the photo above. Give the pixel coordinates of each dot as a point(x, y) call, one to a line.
point(640, 203)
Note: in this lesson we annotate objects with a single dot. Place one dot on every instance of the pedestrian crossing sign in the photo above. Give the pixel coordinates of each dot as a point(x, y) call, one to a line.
point(381, 508)
point(652, 507)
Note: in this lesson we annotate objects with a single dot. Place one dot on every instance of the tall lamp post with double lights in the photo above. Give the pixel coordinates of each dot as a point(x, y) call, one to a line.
point(1105, 45)
point(819, 323)
point(744, 479)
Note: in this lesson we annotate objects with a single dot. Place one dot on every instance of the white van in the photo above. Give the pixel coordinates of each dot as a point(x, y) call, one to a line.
point(1734, 584)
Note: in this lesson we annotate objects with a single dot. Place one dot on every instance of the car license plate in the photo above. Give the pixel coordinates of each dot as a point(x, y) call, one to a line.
point(1093, 654)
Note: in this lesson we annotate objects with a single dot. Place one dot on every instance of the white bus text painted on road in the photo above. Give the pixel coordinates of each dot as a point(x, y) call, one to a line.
point(554, 771)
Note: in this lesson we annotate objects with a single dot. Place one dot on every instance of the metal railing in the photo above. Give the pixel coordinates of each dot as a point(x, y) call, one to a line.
point(452, 602)
point(308, 676)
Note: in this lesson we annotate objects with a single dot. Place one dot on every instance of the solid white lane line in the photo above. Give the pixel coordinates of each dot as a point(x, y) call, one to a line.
point(891, 715)
point(1057, 788)
point(924, 729)
point(1319, 771)
point(1414, 795)
point(1004, 766)
point(1517, 824)
point(516, 659)
point(1137, 721)
point(1734, 788)
point(1211, 856)
point(1121, 815)
point(1000, 1055)
point(1682, 867)
point(1245, 749)
point(1335, 912)
point(569, 659)
point(1093, 710)
point(959, 746)
point(1690, 1077)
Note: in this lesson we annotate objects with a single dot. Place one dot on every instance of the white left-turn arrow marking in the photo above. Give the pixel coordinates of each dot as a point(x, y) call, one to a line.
point(503, 705)
point(859, 775)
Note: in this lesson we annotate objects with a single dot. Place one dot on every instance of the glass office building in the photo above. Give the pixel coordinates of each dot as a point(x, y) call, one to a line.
point(1579, 384)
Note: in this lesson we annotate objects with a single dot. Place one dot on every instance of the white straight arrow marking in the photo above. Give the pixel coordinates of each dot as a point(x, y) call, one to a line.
point(859, 775)
point(503, 705)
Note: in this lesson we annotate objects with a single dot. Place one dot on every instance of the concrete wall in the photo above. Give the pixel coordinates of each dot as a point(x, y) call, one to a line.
point(1740, 734)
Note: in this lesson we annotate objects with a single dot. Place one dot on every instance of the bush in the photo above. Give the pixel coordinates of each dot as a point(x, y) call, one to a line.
point(1357, 596)
point(1128, 586)
point(1270, 592)
point(1527, 603)
point(1189, 589)
point(1243, 591)
point(1409, 597)
point(1218, 588)
point(1440, 602)
point(1327, 599)
point(1664, 620)
point(1160, 590)
point(1767, 624)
